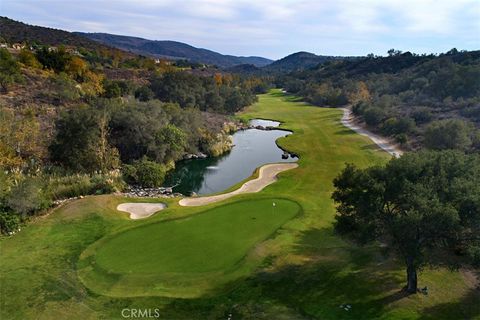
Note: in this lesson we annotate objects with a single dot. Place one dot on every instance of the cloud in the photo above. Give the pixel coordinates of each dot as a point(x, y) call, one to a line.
point(270, 27)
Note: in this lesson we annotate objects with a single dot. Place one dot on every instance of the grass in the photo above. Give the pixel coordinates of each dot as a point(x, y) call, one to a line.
point(303, 271)
point(201, 247)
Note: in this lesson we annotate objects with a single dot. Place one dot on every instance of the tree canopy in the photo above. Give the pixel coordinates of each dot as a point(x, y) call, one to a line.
point(419, 205)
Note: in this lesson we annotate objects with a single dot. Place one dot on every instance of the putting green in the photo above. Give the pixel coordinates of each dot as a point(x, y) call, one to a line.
point(206, 245)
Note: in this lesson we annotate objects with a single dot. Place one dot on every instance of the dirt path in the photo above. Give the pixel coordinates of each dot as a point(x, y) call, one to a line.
point(266, 176)
point(348, 120)
point(140, 210)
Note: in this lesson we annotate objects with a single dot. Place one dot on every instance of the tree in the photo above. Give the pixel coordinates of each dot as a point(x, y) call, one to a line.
point(81, 144)
point(57, 60)
point(28, 197)
point(112, 89)
point(9, 70)
point(76, 67)
point(449, 134)
point(144, 93)
point(419, 205)
point(144, 173)
point(175, 141)
point(28, 58)
point(373, 116)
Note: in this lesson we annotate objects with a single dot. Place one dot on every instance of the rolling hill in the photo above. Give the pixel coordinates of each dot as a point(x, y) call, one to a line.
point(172, 50)
point(15, 31)
point(299, 61)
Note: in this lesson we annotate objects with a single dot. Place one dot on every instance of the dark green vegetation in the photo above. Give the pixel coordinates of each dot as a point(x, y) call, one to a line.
point(77, 118)
point(306, 271)
point(172, 50)
point(14, 31)
point(423, 205)
point(402, 95)
point(211, 247)
point(298, 61)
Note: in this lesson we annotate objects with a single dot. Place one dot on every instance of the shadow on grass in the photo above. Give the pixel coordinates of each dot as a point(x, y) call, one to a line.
point(335, 276)
point(345, 132)
point(372, 146)
point(468, 307)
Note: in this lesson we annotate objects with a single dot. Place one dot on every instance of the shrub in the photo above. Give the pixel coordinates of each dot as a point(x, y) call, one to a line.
point(373, 116)
point(144, 173)
point(9, 222)
point(28, 197)
point(28, 58)
point(64, 187)
point(112, 89)
point(104, 184)
point(144, 93)
point(422, 115)
point(401, 138)
point(359, 108)
point(449, 134)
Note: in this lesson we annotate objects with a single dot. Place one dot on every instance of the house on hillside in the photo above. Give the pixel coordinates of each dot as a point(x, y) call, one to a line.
point(3, 45)
point(18, 46)
point(73, 51)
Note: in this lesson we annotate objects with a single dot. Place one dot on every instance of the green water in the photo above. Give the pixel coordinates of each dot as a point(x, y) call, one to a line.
point(253, 148)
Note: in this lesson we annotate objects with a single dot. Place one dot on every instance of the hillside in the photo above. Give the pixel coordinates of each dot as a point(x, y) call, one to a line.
point(420, 100)
point(15, 31)
point(173, 50)
point(298, 61)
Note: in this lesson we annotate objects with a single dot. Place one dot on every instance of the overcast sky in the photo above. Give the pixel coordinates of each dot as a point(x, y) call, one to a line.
point(270, 28)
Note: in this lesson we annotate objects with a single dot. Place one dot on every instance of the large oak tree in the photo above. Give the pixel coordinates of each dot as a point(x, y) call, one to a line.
point(423, 205)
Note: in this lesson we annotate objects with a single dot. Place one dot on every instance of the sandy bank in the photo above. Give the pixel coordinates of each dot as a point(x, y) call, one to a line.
point(266, 176)
point(348, 120)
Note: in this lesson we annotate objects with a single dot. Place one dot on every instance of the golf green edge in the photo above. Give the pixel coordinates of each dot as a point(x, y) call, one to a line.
point(171, 258)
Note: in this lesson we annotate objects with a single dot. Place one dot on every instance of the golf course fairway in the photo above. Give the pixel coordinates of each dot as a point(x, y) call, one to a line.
point(213, 241)
point(86, 260)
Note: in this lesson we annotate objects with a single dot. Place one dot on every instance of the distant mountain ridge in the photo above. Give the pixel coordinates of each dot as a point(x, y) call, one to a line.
point(300, 61)
point(15, 31)
point(173, 50)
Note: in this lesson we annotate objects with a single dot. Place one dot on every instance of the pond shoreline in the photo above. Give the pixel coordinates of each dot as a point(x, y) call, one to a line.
point(252, 149)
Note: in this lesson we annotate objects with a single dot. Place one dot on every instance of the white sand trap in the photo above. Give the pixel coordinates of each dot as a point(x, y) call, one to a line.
point(140, 210)
point(383, 143)
point(267, 175)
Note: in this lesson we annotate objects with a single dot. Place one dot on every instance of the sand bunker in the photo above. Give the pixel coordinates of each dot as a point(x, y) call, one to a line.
point(141, 210)
point(267, 175)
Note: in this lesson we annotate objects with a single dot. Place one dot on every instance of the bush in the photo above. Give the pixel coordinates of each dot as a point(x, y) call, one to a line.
point(373, 116)
point(28, 197)
point(359, 108)
point(144, 93)
point(9, 222)
point(64, 187)
point(449, 134)
point(28, 58)
point(69, 186)
point(401, 138)
point(144, 173)
point(112, 89)
point(394, 126)
point(9, 70)
point(104, 184)
point(422, 115)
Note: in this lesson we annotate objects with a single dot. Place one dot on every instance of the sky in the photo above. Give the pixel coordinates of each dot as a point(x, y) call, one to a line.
point(270, 28)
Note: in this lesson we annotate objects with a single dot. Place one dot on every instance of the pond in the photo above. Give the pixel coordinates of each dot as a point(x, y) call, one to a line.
point(252, 149)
